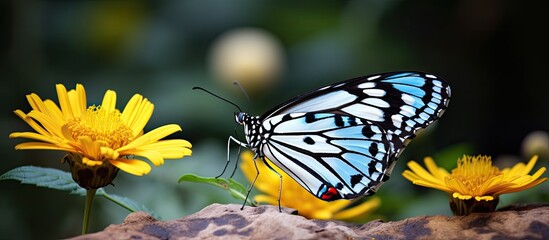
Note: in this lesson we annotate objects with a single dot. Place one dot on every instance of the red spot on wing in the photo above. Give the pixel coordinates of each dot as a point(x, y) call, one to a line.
point(330, 194)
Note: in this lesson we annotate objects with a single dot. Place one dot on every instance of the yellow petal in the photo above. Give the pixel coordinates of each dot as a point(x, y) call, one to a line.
point(35, 136)
point(460, 196)
point(485, 198)
point(91, 162)
point(266, 199)
point(522, 180)
point(130, 110)
point(36, 102)
point(527, 186)
point(530, 165)
point(153, 156)
point(322, 214)
point(488, 185)
point(538, 173)
point(516, 170)
point(90, 148)
point(364, 208)
point(456, 185)
point(520, 168)
point(109, 101)
point(425, 180)
point(43, 146)
point(500, 188)
point(439, 186)
point(78, 107)
point(151, 136)
point(137, 113)
point(144, 112)
point(415, 179)
point(421, 172)
point(169, 143)
point(109, 153)
point(54, 112)
point(334, 206)
point(37, 127)
point(175, 153)
point(51, 126)
point(172, 148)
point(64, 101)
point(81, 97)
point(132, 166)
point(516, 188)
point(410, 175)
point(437, 172)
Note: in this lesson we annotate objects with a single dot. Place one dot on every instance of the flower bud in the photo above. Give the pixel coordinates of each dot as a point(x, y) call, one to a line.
point(90, 177)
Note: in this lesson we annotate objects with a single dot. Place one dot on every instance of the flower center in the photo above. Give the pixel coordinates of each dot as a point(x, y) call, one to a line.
point(101, 125)
point(473, 171)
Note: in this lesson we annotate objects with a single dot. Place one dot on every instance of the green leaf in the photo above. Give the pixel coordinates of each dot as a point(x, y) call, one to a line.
point(44, 177)
point(236, 189)
point(60, 180)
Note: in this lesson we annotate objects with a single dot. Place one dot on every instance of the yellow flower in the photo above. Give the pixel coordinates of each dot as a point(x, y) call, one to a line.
point(296, 197)
point(475, 185)
point(98, 136)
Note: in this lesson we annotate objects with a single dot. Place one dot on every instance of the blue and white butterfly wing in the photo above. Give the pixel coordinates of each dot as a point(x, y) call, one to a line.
point(326, 139)
point(333, 156)
point(402, 103)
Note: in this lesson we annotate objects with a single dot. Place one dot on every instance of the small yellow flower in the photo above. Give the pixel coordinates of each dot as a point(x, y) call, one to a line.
point(99, 136)
point(296, 197)
point(475, 185)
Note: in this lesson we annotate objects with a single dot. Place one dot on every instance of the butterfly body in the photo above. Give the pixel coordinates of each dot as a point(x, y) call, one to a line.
point(342, 141)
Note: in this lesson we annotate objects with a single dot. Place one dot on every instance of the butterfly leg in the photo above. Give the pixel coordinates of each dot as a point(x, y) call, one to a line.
point(252, 185)
point(237, 154)
point(240, 144)
point(236, 163)
point(280, 184)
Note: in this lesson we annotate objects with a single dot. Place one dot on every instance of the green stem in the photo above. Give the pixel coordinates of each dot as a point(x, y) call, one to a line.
point(90, 194)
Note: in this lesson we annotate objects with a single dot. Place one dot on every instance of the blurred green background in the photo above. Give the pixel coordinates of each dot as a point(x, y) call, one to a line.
point(493, 54)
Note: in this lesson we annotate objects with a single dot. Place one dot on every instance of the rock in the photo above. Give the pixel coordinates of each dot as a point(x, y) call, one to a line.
point(219, 221)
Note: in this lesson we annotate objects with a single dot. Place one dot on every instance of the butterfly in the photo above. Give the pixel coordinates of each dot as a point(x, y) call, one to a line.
point(342, 141)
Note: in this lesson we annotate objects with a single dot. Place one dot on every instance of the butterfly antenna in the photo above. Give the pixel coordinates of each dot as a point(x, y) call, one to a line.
point(217, 96)
point(242, 90)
